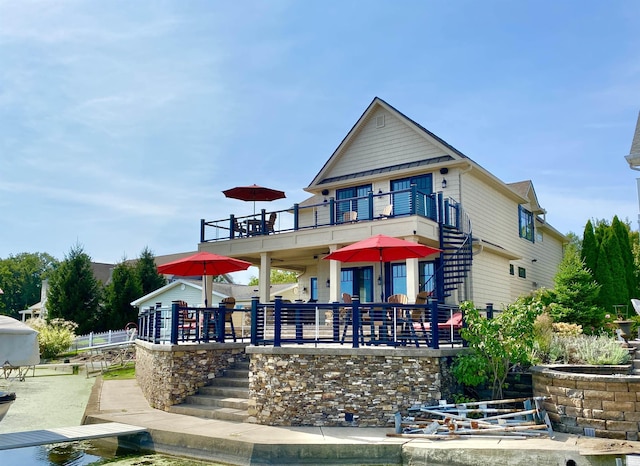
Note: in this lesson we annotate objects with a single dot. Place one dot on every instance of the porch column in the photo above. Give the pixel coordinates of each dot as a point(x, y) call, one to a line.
point(334, 277)
point(265, 276)
point(413, 279)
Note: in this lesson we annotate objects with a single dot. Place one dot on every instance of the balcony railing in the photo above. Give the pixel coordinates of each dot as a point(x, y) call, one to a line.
point(332, 212)
point(280, 322)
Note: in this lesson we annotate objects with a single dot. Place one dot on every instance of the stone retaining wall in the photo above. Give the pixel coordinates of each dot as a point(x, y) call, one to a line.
point(167, 374)
point(609, 404)
point(296, 386)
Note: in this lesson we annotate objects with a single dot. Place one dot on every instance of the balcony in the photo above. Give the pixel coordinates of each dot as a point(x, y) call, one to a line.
point(332, 213)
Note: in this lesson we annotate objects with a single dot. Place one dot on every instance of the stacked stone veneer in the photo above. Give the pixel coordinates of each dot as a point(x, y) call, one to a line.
point(296, 386)
point(167, 374)
point(609, 404)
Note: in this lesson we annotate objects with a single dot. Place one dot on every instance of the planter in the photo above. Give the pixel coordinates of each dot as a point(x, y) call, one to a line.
point(625, 328)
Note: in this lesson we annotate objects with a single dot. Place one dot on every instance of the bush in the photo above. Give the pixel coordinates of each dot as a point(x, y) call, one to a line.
point(586, 349)
point(54, 337)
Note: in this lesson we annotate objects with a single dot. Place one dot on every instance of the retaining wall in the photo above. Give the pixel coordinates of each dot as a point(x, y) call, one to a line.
point(167, 374)
point(308, 386)
point(609, 404)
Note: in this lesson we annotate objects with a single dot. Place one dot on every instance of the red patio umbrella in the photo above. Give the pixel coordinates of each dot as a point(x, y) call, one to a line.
point(254, 193)
point(203, 263)
point(382, 248)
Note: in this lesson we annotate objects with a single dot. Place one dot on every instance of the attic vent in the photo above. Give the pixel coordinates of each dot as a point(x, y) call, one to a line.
point(379, 121)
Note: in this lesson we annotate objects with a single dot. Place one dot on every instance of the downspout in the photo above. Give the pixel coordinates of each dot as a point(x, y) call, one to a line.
point(468, 289)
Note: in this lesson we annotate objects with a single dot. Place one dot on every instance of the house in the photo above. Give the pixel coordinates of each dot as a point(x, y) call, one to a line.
point(390, 175)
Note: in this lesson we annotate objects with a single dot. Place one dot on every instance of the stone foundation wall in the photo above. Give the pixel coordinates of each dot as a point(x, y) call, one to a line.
point(609, 404)
point(167, 374)
point(330, 386)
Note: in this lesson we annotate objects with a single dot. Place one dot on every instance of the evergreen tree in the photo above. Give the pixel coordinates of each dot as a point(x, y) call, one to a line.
point(147, 272)
point(610, 273)
point(74, 292)
point(576, 294)
point(124, 287)
point(621, 230)
point(589, 251)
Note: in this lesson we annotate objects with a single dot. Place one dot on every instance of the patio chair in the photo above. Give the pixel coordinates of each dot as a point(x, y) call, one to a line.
point(386, 212)
point(351, 216)
point(418, 315)
point(186, 321)
point(237, 228)
point(271, 223)
point(403, 318)
point(229, 303)
point(636, 305)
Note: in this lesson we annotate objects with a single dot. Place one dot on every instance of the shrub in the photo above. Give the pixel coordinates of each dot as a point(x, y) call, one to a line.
point(567, 330)
point(586, 349)
point(54, 337)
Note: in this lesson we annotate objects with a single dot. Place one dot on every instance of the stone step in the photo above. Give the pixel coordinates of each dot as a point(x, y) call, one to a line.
point(230, 382)
point(233, 392)
point(207, 412)
point(218, 401)
point(636, 363)
point(237, 373)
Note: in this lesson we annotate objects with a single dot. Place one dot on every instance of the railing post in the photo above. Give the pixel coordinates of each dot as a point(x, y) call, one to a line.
point(296, 211)
point(441, 213)
point(254, 321)
point(332, 211)
point(370, 202)
point(435, 337)
point(157, 325)
point(202, 230)
point(355, 303)
point(335, 317)
point(277, 322)
point(220, 317)
point(232, 226)
point(175, 316)
point(414, 199)
point(263, 222)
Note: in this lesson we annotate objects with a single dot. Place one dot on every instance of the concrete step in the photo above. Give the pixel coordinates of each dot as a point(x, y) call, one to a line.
point(636, 363)
point(232, 392)
point(218, 401)
point(237, 373)
point(207, 412)
point(230, 382)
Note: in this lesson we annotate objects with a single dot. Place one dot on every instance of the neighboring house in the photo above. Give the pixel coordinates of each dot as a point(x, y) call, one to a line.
point(390, 175)
point(102, 273)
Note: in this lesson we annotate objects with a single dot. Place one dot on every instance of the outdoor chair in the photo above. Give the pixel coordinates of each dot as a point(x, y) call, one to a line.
point(403, 318)
point(351, 216)
point(418, 315)
point(636, 305)
point(271, 223)
point(386, 212)
point(186, 321)
point(237, 228)
point(229, 303)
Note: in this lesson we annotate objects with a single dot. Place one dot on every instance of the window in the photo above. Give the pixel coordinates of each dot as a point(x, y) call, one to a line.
point(522, 272)
point(353, 200)
point(313, 284)
point(538, 236)
point(398, 279)
point(427, 279)
point(525, 223)
point(401, 201)
point(511, 271)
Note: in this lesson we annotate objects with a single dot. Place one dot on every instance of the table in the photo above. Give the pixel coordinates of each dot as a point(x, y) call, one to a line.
point(254, 226)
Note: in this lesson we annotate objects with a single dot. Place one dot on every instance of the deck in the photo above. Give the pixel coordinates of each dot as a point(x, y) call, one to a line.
point(34, 438)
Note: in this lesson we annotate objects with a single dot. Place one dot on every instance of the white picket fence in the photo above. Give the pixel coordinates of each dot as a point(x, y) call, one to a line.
point(102, 338)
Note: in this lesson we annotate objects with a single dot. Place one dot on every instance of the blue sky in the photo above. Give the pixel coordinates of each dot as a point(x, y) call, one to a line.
point(121, 122)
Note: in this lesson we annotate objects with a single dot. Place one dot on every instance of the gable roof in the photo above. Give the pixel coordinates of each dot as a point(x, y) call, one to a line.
point(525, 189)
point(377, 102)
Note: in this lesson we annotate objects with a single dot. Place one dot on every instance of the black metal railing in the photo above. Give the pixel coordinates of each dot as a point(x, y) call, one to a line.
point(332, 212)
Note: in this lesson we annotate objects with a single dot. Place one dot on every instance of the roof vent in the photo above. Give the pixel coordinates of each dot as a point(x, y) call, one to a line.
point(379, 121)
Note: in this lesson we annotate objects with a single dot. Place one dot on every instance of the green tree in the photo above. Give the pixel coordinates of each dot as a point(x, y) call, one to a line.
point(496, 345)
point(147, 272)
point(21, 279)
point(575, 294)
point(74, 293)
point(278, 277)
point(123, 288)
point(589, 250)
point(622, 230)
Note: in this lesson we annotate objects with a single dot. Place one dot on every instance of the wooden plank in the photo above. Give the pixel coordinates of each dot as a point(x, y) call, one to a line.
point(66, 434)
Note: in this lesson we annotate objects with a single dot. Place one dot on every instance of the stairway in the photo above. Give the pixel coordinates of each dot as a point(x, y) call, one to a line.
point(226, 399)
point(635, 369)
point(456, 257)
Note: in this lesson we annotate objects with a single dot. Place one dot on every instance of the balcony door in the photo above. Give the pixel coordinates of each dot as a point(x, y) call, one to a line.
point(357, 281)
point(402, 200)
point(353, 199)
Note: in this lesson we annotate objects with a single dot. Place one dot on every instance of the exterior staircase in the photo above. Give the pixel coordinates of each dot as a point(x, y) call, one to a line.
point(226, 399)
point(635, 369)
